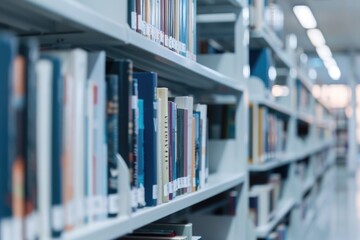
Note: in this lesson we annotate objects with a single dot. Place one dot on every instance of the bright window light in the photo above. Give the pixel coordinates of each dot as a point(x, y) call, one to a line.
point(305, 16)
point(334, 73)
point(316, 37)
point(324, 52)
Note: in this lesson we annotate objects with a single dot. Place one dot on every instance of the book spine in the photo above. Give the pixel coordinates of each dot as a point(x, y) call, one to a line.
point(159, 153)
point(197, 130)
point(174, 149)
point(112, 112)
point(187, 150)
point(132, 13)
point(29, 50)
point(193, 155)
point(180, 153)
point(171, 160)
point(141, 175)
point(134, 143)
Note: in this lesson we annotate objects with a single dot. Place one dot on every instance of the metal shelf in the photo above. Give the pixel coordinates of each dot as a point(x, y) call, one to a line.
point(113, 228)
point(272, 105)
point(267, 38)
point(87, 28)
point(283, 209)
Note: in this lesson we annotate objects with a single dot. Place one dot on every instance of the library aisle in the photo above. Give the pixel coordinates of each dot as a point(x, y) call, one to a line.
point(339, 217)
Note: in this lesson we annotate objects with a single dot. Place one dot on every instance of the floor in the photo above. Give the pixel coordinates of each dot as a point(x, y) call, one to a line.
point(339, 217)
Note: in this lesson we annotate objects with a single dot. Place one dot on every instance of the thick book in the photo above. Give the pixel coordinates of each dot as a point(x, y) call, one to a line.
point(44, 81)
point(202, 108)
point(74, 70)
point(147, 86)
point(164, 132)
point(112, 113)
point(18, 105)
point(96, 147)
point(124, 70)
point(57, 143)
point(187, 103)
point(8, 48)
point(29, 51)
point(141, 155)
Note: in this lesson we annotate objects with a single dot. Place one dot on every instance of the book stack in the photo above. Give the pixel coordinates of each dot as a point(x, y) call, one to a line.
point(272, 131)
point(169, 231)
point(68, 116)
point(171, 24)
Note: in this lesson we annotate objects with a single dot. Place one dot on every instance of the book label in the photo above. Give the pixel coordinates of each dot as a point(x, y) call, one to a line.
point(175, 185)
point(134, 202)
point(17, 228)
point(97, 204)
point(166, 190)
point(6, 229)
point(166, 40)
point(155, 192)
point(57, 218)
point(133, 20)
point(31, 223)
point(188, 181)
point(140, 23)
point(114, 203)
point(141, 195)
point(79, 204)
point(148, 29)
point(161, 37)
point(171, 187)
point(70, 213)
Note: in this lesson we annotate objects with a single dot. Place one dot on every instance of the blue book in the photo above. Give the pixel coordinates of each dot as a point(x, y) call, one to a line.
point(57, 139)
point(8, 46)
point(112, 113)
point(260, 63)
point(141, 156)
point(197, 149)
point(147, 87)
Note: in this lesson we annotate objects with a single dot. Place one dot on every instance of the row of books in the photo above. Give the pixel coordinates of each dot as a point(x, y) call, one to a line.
point(264, 199)
point(272, 131)
point(164, 231)
point(169, 23)
point(68, 117)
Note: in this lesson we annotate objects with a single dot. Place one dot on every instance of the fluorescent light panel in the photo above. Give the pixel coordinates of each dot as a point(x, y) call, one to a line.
point(334, 72)
point(305, 16)
point(316, 37)
point(324, 52)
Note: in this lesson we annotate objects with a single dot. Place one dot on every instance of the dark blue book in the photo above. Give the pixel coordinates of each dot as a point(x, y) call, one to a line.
point(260, 63)
point(134, 144)
point(29, 51)
point(8, 47)
point(112, 133)
point(141, 156)
point(124, 71)
point(147, 86)
point(181, 145)
point(197, 149)
point(57, 141)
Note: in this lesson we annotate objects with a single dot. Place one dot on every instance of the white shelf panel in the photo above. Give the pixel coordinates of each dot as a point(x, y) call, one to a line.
point(114, 228)
point(220, 5)
point(305, 117)
point(310, 216)
point(99, 31)
point(267, 38)
point(283, 209)
point(272, 105)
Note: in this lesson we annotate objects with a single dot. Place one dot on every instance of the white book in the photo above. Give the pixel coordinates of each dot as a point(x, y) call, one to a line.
point(202, 108)
point(187, 103)
point(96, 73)
point(164, 132)
point(159, 154)
point(74, 70)
point(43, 144)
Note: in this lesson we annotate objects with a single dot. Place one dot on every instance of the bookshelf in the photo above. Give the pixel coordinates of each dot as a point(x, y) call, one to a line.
point(93, 25)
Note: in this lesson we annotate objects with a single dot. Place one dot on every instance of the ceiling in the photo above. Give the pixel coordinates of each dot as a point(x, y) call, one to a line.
point(338, 20)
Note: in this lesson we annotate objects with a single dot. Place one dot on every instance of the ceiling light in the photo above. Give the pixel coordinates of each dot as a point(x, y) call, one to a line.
point(324, 52)
point(316, 37)
point(272, 73)
point(305, 16)
point(329, 62)
point(334, 73)
point(312, 73)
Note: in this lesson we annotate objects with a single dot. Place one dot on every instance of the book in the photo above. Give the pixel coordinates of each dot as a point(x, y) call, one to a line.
point(180, 229)
point(147, 85)
point(18, 164)
point(180, 153)
point(187, 103)
point(28, 49)
point(8, 49)
point(172, 150)
point(159, 150)
point(164, 133)
point(112, 113)
point(57, 143)
point(260, 203)
point(141, 155)
point(124, 70)
point(202, 109)
point(44, 82)
point(134, 144)
point(260, 62)
point(197, 152)
point(97, 179)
